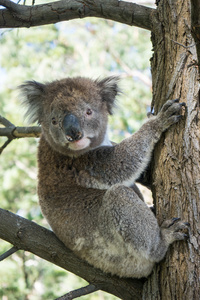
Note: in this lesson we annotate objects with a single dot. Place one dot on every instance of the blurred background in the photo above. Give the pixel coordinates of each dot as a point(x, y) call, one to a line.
point(89, 47)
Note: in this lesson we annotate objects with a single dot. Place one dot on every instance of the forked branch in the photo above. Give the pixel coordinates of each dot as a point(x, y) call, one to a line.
point(12, 132)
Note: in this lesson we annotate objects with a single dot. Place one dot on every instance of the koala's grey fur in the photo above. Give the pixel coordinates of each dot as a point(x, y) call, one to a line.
point(85, 186)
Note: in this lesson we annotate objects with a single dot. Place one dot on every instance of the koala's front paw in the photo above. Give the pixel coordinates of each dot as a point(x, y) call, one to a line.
point(174, 230)
point(170, 113)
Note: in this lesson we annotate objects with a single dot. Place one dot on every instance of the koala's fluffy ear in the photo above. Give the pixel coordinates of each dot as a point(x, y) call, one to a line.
point(32, 93)
point(109, 89)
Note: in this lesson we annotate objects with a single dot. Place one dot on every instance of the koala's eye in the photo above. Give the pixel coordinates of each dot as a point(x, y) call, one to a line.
point(89, 112)
point(53, 121)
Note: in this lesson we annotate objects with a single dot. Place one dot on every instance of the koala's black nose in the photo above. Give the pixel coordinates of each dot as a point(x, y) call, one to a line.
point(72, 128)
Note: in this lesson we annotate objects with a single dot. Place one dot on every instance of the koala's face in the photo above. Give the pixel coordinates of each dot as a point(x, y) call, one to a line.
point(77, 118)
point(73, 112)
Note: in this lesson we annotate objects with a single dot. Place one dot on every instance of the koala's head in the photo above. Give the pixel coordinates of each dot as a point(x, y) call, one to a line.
point(73, 112)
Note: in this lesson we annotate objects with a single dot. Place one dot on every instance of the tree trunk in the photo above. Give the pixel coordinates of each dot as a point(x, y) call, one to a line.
point(176, 161)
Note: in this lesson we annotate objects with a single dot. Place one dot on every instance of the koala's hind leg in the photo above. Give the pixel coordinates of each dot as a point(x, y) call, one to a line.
point(171, 230)
point(124, 211)
point(127, 221)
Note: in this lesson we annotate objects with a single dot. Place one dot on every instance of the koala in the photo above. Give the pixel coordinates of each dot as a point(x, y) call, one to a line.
point(86, 183)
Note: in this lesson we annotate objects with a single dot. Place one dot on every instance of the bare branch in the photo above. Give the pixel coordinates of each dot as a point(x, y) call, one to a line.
point(29, 236)
point(12, 132)
point(5, 145)
point(8, 253)
point(10, 5)
point(16, 15)
point(79, 292)
point(21, 132)
point(6, 122)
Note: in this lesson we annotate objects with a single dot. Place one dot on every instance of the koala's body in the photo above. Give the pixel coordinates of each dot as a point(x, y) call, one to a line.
point(85, 184)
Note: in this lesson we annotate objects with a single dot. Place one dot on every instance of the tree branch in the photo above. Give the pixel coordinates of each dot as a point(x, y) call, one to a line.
point(79, 292)
point(16, 15)
point(12, 132)
point(10, 5)
point(29, 236)
point(21, 132)
point(8, 253)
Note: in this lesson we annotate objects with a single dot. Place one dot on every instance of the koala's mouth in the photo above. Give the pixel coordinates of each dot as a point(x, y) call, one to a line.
point(80, 144)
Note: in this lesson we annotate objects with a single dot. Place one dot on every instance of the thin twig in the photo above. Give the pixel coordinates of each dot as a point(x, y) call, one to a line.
point(6, 122)
point(5, 145)
point(10, 5)
point(79, 292)
point(8, 253)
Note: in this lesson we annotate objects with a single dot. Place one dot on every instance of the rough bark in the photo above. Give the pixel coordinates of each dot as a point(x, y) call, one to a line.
point(42, 242)
point(176, 161)
point(16, 15)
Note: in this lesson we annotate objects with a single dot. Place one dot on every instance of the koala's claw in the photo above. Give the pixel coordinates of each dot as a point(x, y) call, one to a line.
point(172, 103)
point(169, 223)
point(175, 219)
point(174, 230)
point(186, 236)
point(187, 224)
point(176, 100)
point(170, 113)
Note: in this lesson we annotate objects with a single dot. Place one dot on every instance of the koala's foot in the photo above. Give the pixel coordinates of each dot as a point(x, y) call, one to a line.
point(174, 230)
point(170, 113)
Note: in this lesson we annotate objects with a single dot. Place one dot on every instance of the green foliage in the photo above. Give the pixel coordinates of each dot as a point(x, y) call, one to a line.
point(93, 48)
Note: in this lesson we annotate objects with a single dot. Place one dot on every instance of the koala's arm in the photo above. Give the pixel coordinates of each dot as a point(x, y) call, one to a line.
point(124, 162)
